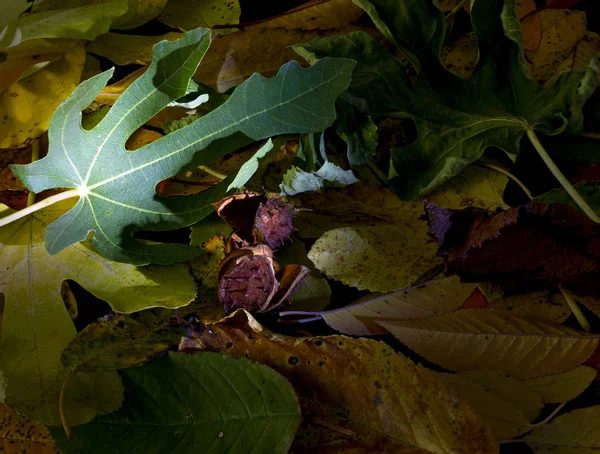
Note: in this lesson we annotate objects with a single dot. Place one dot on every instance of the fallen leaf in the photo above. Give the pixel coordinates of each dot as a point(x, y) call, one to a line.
point(557, 388)
point(542, 304)
point(561, 31)
point(589, 190)
point(296, 181)
point(20, 435)
point(27, 105)
point(37, 327)
point(556, 245)
point(189, 14)
point(519, 393)
point(424, 300)
point(461, 57)
point(475, 186)
point(579, 57)
point(506, 420)
point(499, 340)
point(382, 258)
point(196, 403)
point(575, 432)
point(378, 392)
point(128, 49)
point(317, 14)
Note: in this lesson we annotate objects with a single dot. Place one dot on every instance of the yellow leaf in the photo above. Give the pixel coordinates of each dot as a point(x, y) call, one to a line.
point(475, 186)
point(317, 14)
point(562, 30)
point(505, 419)
point(557, 388)
point(432, 298)
point(189, 14)
point(20, 435)
point(461, 57)
point(36, 326)
point(576, 432)
point(542, 304)
point(378, 391)
point(383, 258)
point(580, 58)
point(26, 106)
point(513, 390)
point(109, 94)
point(499, 340)
point(128, 49)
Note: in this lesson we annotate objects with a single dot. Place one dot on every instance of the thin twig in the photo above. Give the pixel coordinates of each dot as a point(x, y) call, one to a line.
point(509, 175)
point(550, 416)
point(591, 135)
point(61, 409)
point(458, 7)
point(214, 173)
point(35, 155)
point(585, 325)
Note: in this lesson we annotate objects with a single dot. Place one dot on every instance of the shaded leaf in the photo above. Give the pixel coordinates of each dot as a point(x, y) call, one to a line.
point(178, 401)
point(424, 300)
point(542, 304)
point(37, 327)
point(128, 49)
point(189, 14)
point(575, 432)
point(382, 258)
point(505, 419)
point(557, 388)
point(589, 190)
point(499, 340)
point(358, 131)
point(557, 245)
point(519, 393)
point(297, 181)
point(317, 14)
point(104, 173)
point(27, 105)
point(19, 435)
point(382, 394)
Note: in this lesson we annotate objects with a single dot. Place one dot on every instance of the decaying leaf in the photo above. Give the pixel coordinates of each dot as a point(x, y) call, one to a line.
point(37, 327)
point(373, 389)
point(575, 432)
point(424, 300)
point(382, 258)
point(317, 14)
point(506, 420)
point(128, 49)
point(27, 105)
point(557, 388)
point(194, 403)
point(556, 244)
point(296, 181)
point(499, 340)
point(20, 435)
point(189, 14)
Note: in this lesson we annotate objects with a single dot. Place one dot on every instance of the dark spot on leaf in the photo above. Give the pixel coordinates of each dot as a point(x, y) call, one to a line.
point(293, 360)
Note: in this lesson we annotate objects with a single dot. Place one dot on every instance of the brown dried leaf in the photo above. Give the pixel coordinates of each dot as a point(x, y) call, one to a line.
point(364, 381)
point(20, 435)
point(317, 14)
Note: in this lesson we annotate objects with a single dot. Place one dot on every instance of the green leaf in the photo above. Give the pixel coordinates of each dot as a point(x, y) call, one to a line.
point(10, 34)
point(589, 190)
point(207, 403)
point(456, 119)
point(358, 131)
point(116, 187)
point(297, 181)
point(84, 22)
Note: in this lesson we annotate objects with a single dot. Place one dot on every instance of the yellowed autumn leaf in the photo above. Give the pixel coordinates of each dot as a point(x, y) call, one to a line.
point(557, 388)
point(109, 94)
point(499, 340)
point(561, 30)
point(576, 432)
point(513, 390)
point(475, 186)
point(384, 395)
point(461, 57)
point(128, 49)
point(189, 14)
point(506, 420)
point(317, 14)
point(543, 304)
point(384, 258)
point(580, 57)
point(11, 70)
point(425, 300)
point(26, 106)
point(20, 435)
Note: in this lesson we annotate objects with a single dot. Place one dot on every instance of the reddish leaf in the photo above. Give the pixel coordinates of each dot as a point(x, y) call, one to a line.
point(477, 300)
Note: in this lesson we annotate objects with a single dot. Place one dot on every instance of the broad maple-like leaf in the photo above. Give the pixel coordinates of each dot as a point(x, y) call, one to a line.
point(457, 119)
point(117, 187)
point(556, 244)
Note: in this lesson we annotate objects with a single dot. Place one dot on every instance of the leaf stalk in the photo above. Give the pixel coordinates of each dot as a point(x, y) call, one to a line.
point(579, 200)
point(38, 206)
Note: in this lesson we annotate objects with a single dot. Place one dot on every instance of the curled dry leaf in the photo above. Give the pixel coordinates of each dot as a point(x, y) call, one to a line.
point(375, 392)
point(556, 244)
point(500, 340)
